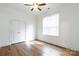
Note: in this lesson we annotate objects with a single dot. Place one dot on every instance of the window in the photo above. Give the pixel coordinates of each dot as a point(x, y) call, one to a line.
point(51, 25)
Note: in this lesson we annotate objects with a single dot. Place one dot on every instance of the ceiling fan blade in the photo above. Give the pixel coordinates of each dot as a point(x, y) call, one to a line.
point(39, 9)
point(28, 5)
point(42, 4)
point(32, 9)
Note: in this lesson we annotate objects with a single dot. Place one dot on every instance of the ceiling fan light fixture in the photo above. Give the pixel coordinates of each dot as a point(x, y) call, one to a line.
point(35, 6)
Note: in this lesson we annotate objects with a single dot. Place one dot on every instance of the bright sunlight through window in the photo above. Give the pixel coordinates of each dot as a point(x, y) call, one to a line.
point(51, 25)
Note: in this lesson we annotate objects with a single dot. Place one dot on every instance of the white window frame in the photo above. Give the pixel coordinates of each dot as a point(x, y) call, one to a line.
point(51, 27)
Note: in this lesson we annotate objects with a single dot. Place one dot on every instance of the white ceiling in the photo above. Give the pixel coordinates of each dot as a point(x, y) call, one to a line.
point(26, 9)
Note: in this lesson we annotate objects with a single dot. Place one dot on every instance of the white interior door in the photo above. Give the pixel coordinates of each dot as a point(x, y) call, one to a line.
point(17, 31)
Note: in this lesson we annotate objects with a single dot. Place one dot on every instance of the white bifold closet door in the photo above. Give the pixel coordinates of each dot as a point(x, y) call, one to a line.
point(17, 32)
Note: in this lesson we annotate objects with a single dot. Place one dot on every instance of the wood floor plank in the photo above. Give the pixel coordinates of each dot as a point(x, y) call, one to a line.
point(36, 48)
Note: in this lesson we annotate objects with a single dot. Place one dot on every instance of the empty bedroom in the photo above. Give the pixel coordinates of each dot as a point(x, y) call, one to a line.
point(39, 29)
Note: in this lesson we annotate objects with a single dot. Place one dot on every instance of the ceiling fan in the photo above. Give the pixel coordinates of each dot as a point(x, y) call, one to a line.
point(36, 6)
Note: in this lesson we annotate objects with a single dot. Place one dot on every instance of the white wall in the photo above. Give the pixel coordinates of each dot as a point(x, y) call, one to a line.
point(10, 12)
point(68, 27)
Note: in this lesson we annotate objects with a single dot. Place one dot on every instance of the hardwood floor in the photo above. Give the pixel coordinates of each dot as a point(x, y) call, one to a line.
point(36, 48)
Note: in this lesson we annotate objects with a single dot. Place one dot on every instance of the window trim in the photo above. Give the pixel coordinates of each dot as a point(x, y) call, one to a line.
point(54, 34)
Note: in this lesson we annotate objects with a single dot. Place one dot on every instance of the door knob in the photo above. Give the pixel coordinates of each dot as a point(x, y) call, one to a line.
point(18, 32)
